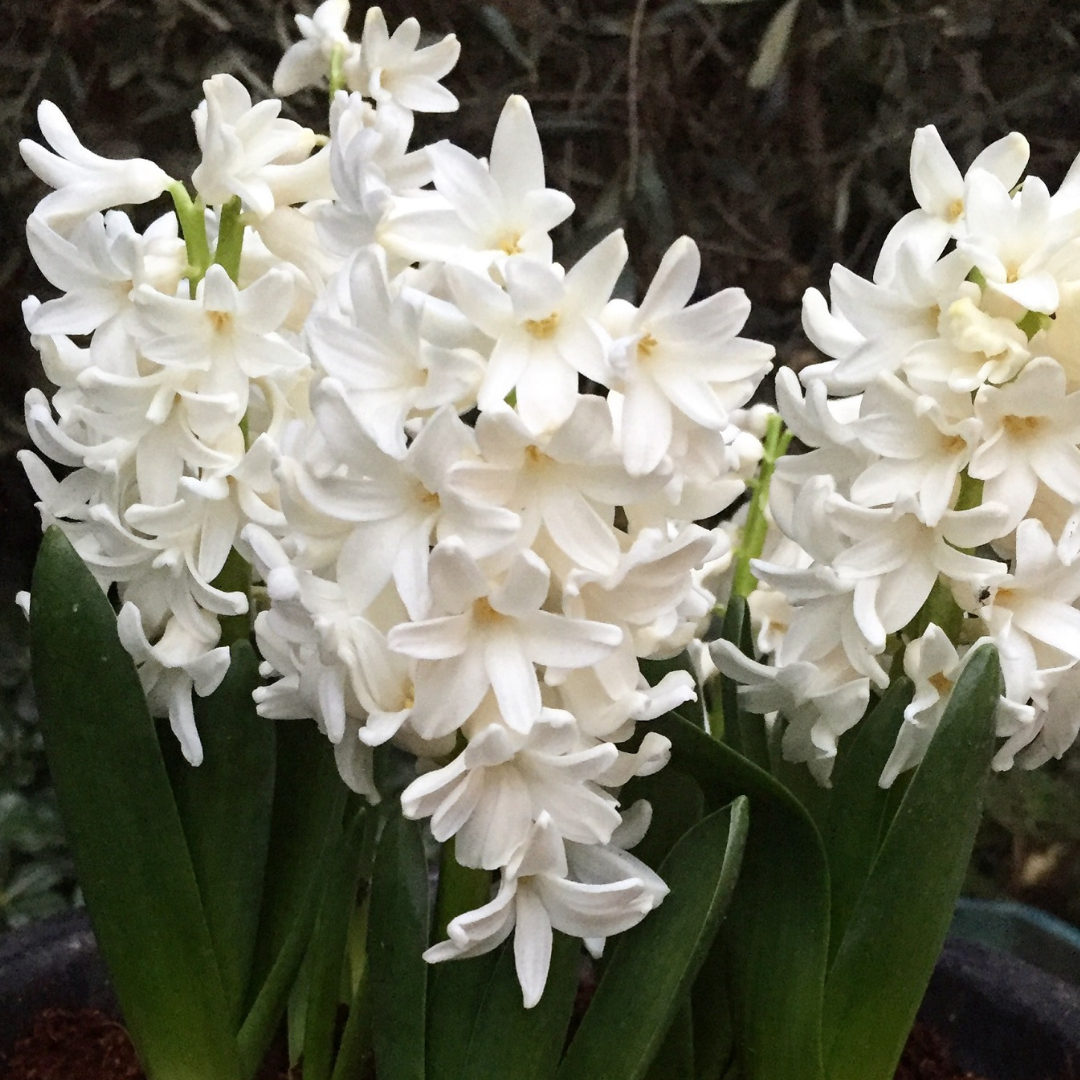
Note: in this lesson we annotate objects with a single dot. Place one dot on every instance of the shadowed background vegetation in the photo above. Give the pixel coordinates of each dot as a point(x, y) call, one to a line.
point(649, 123)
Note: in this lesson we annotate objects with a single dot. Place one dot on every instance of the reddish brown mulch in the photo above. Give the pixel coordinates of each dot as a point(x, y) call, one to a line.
point(88, 1045)
point(927, 1057)
point(74, 1045)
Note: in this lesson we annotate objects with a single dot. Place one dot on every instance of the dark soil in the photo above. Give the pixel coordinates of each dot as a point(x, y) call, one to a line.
point(927, 1056)
point(88, 1045)
point(82, 1045)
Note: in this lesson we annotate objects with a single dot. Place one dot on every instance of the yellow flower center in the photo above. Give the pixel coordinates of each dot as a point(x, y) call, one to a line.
point(1021, 426)
point(543, 328)
point(940, 682)
point(509, 244)
point(484, 613)
point(646, 346)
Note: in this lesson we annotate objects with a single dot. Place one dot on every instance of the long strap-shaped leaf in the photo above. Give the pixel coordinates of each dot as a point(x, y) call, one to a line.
point(653, 965)
point(122, 823)
point(309, 801)
point(859, 810)
point(510, 1042)
point(455, 990)
point(899, 923)
point(399, 925)
point(776, 931)
point(328, 945)
point(224, 806)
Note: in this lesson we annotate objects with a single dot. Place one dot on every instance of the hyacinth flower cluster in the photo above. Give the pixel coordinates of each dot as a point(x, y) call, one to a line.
point(345, 391)
point(938, 505)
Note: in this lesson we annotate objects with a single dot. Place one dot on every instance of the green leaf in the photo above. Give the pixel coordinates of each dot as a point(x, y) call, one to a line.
point(309, 801)
point(456, 989)
point(461, 889)
point(355, 1042)
point(859, 813)
point(901, 918)
point(711, 1013)
point(328, 946)
point(744, 732)
point(510, 1042)
point(777, 928)
point(225, 807)
point(675, 1058)
point(653, 965)
point(398, 927)
point(125, 833)
point(677, 805)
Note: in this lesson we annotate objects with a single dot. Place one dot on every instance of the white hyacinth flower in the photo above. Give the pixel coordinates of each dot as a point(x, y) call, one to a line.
point(84, 182)
point(307, 61)
point(536, 897)
point(392, 69)
point(250, 152)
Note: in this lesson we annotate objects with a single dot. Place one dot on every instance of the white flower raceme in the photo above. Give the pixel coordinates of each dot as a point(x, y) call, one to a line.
point(492, 636)
point(488, 210)
point(388, 373)
point(543, 326)
point(181, 660)
point(490, 794)
point(943, 479)
point(940, 191)
point(96, 266)
point(473, 491)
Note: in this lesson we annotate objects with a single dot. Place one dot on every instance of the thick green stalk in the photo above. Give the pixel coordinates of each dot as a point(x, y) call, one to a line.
point(775, 445)
point(191, 214)
point(337, 70)
point(230, 239)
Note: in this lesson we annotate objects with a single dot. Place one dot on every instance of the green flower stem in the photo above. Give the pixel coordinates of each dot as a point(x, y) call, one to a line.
point(461, 889)
point(230, 238)
point(775, 445)
point(235, 576)
point(192, 217)
point(337, 70)
point(971, 492)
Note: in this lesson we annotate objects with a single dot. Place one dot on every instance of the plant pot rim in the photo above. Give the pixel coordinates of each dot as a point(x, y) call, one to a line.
point(1003, 1017)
